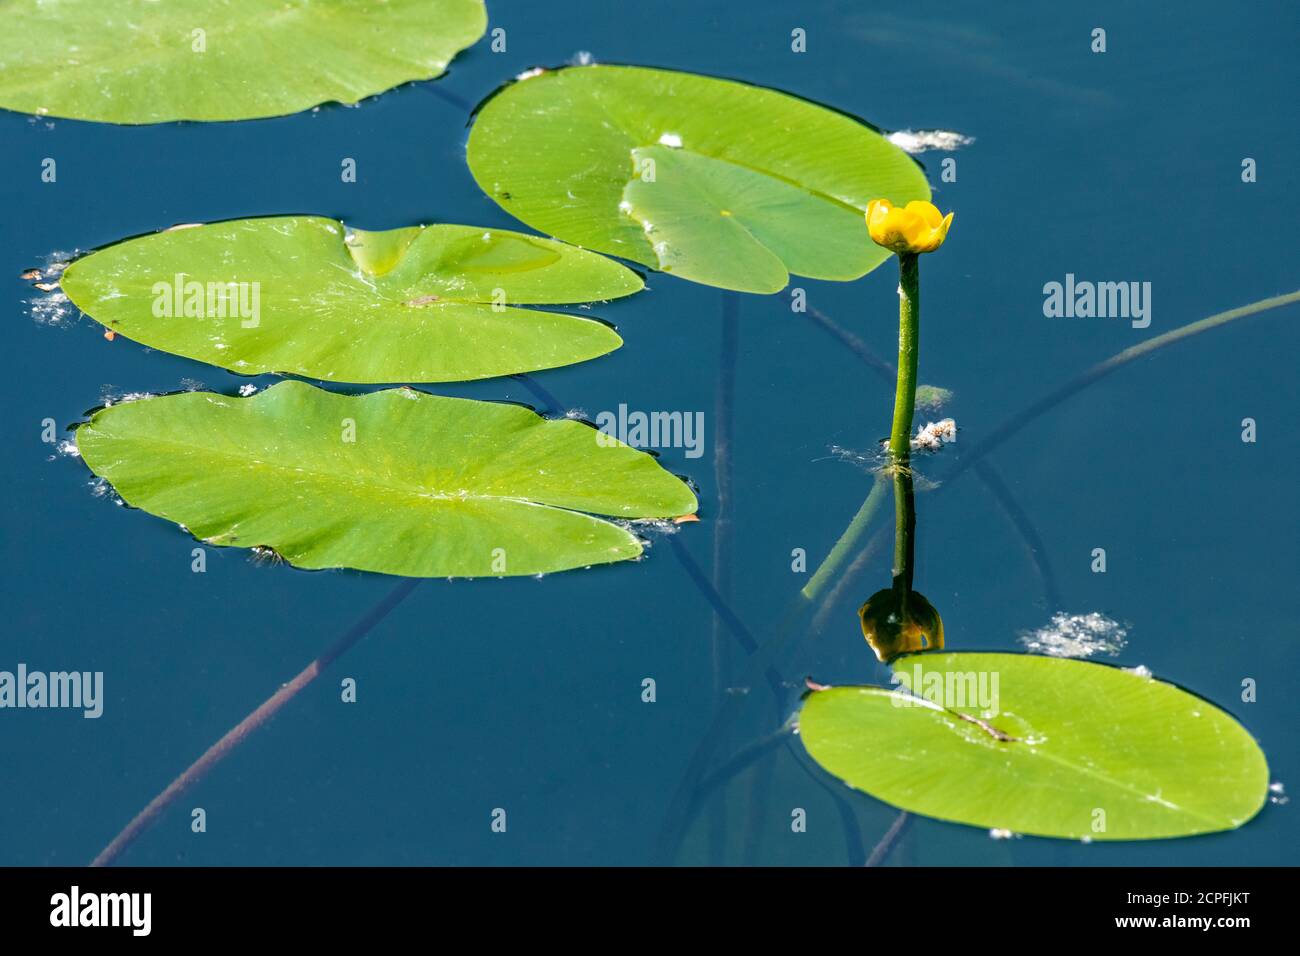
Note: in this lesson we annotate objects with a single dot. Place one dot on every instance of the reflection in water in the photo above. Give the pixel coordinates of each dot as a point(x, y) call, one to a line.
point(899, 620)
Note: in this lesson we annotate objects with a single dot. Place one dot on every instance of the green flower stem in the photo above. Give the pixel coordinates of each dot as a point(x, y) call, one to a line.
point(900, 446)
point(909, 328)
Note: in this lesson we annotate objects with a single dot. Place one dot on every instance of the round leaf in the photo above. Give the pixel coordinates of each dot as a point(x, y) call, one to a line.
point(141, 61)
point(718, 182)
point(397, 481)
point(302, 294)
point(1055, 747)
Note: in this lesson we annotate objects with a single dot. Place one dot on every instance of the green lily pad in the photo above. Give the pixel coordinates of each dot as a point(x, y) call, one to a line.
point(305, 295)
point(714, 181)
point(396, 481)
point(1052, 747)
point(141, 61)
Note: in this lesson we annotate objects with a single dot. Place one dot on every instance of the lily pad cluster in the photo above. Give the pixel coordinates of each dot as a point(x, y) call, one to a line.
point(713, 181)
point(311, 296)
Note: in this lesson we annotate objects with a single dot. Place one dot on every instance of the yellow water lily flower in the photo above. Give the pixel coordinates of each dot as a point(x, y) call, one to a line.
point(916, 227)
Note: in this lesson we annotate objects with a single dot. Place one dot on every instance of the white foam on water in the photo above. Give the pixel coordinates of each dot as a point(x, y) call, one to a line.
point(920, 140)
point(1077, 635)
point(53, 308)
point(67, 448)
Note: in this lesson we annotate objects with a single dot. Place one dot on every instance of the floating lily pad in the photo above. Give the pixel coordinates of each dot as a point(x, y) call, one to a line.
point(715, 181)
point(397, 481)
point(303, 294)
point(141, 61)
point(1066, 748)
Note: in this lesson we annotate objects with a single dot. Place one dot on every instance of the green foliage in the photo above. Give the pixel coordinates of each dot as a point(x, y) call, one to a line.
point(396, 481)
point(718, 182)
point(1067, 749)
point(141, 61)
point(305, 295)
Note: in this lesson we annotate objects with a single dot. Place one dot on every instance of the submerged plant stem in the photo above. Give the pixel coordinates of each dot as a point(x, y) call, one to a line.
point(887, 842)
point(847, 544)
point(242, 730)
point(723, 471)
point(1105, 367)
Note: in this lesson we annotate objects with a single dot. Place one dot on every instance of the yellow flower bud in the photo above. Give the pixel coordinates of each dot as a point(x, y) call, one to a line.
point(916, 227)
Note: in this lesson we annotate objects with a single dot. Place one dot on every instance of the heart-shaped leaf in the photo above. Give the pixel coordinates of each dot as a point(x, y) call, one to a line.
point(715, 181)
point(303, 294)
point(1040, 745)
point(397, 481)
point(141, 61)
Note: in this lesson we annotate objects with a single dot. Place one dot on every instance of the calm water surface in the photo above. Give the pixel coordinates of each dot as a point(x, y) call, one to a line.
point(525, 694)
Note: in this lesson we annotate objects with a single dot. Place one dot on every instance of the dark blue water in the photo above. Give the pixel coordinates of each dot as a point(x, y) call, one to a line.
point(525, 694)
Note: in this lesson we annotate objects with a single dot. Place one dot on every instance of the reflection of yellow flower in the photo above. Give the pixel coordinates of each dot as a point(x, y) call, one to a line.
point(894, 625)
point(916, 227)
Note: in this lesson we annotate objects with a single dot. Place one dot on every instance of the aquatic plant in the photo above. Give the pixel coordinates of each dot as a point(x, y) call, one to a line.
point(309, 296)
point(685, 174)
point(1038, 745)
point(691, 175)
point(396, 481)
point(139, 61)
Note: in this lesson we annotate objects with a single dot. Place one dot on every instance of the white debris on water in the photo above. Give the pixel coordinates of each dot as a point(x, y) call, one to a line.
point(934, 435)
point(247, 390)
point(644, 527)
point(1277, 793)
point(1077, 635)
point(65, 449)
point(108, 398)
point(921, 140)
point(99, 488)
point(53, 308)
point(931, 436)
point(997, 833)
point(55, 263)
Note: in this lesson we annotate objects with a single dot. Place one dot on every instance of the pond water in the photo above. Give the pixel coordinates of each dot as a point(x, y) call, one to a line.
point(527, 694)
